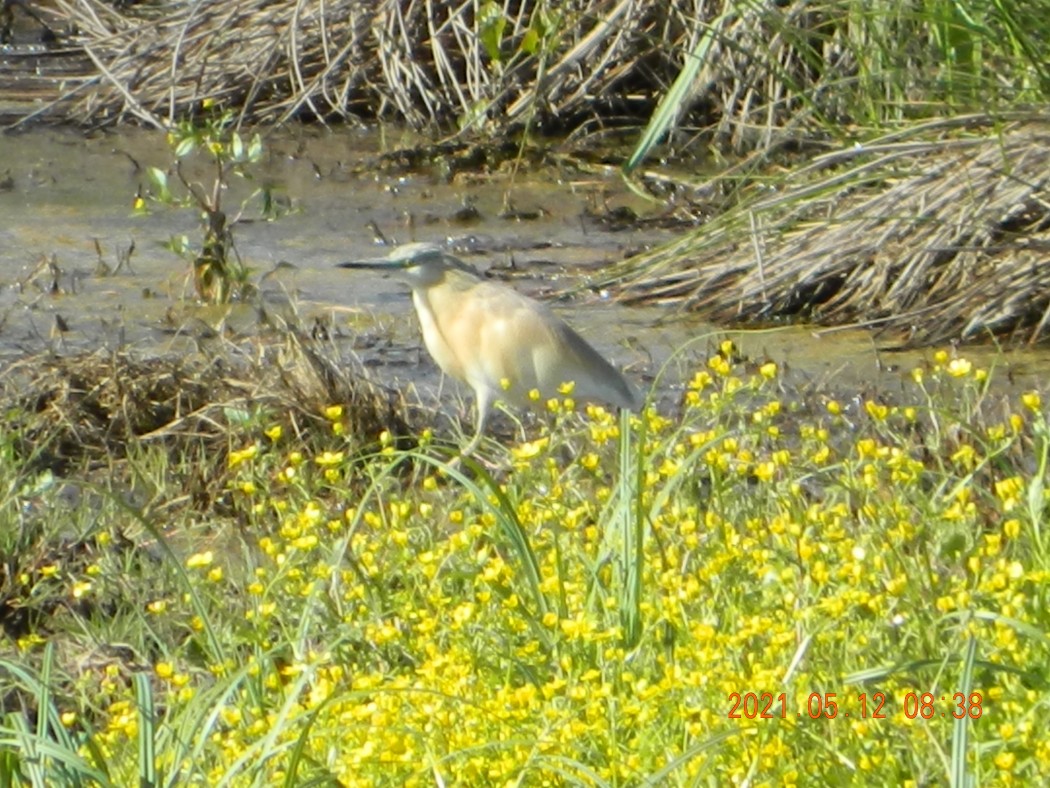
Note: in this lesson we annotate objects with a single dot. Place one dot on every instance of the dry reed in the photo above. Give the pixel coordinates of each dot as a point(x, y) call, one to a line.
point(939, 239)
point(585, 65)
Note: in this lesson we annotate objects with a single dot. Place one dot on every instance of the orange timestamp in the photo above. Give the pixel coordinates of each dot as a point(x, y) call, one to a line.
point(926, 705)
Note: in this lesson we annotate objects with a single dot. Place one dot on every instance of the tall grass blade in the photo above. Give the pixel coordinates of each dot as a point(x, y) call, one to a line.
point(147, 731)
point(961, 728)
point(675, 102)
point(659, 778)
point(26, 744)
point(48, 752)
point(631, 525)
point(506, 516)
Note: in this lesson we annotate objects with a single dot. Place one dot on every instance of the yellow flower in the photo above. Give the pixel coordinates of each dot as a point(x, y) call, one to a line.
point(765, 471)
point(959, 367)
point(965, 456)
point(1031, 400)
point(719, 366)
point(529, 450)
point(164, 670)
point(566, 388)
point(1005, 761)
point(243, 455)
point(700, 381)
point(768, 370)
point(199, 560)
point(30, 641)
point(333, 412)
point(329, 458)
point(1009, 491)
point(274, 433)
point(866, 447)
point(876, 410)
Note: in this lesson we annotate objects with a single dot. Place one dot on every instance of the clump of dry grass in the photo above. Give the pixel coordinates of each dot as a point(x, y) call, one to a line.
point(940, 237)
point(421, 62)
point(759, 74)
point(89, 408)
point(585, 65)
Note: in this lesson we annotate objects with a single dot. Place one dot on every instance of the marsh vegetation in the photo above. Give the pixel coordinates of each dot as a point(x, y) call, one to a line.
point(254, 565)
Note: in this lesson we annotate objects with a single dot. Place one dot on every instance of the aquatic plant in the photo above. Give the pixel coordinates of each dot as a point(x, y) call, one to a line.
point(219, 274)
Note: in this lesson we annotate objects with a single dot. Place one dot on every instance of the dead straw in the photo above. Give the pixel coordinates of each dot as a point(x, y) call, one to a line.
point(93, 407)
point(419, 61)
point(938, 239)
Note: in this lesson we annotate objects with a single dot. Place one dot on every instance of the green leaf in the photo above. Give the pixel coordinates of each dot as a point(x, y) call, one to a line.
point(158, 177)
point(255, 148)
point(491, 24)
point(530, 42)
point(238, 416)
point(179, 244)
point(236, 146)
point(185, 147)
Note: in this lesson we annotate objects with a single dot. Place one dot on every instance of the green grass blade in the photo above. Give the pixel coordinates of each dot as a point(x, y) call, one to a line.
point(47, 755)
point(631, 526)
point(48, 751)
point(659, 778)
point(961, 727)
point(674, 103)
point(507, 517)
point(147, 731)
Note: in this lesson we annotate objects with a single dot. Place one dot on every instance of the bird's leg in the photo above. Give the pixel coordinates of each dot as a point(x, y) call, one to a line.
point(481, 399)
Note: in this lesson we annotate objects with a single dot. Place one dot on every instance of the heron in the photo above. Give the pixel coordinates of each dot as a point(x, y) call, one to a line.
point(502, 344)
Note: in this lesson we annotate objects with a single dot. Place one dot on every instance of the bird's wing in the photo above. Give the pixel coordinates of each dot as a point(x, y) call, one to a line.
point(511, 337)
point(596, 378)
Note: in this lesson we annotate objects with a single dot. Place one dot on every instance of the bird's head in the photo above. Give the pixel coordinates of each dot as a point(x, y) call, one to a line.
point(418, 264)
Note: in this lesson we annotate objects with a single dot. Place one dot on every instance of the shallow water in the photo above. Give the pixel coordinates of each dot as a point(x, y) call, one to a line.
point(62, 192)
